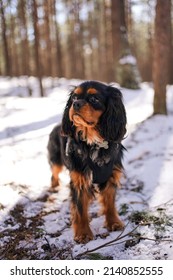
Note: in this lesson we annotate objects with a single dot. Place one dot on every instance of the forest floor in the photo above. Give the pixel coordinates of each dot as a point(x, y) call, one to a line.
point(35, 221)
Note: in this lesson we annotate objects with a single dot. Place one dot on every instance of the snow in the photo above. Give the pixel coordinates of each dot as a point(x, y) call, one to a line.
point(40, 217)
point(128, 59)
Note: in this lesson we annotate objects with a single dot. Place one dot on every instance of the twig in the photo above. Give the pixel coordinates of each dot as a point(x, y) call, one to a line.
point(154, 239)
point(117, 243)
point(141, 237)
point(119, 237)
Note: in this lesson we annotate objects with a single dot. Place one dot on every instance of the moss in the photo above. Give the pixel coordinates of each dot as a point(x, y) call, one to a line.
point(159, 219)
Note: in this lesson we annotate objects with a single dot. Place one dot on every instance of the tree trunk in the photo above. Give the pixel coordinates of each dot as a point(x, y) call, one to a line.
point(48, 50)
point(78, 38)
point(4, 40)
point(126, 71)
point(14, 48)
point(102, 47)
point(59, 70)
point(108, 43)
point(24, 37)
point(162, 47)
point(36, 45)
point(116, 31)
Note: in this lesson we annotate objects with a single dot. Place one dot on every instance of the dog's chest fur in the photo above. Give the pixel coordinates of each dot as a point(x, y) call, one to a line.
point(97, 158)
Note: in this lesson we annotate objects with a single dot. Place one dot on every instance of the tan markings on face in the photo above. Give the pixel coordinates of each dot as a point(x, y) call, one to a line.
point(85, 121)
point(86, 116)
point(78, 90)
point(92, 91)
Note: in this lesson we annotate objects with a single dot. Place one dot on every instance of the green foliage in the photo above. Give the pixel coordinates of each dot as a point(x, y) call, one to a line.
point(124, 208)
point(127, 76)
point(159, 219)
point(96, 256)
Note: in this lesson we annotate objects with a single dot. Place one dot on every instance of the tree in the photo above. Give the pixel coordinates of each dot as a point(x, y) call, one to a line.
point(15, 66)
point(125, 64)
point(162, 54)
point(46, 36)
point(59, 70)
point(24, 48)
point(140, 34)
point(37, 46)
point(4, 39)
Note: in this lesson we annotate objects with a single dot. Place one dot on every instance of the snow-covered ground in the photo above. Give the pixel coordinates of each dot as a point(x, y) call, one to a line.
point(35, 222)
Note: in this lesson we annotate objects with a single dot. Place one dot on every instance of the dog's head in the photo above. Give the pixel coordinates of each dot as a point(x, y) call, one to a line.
point(95, 113)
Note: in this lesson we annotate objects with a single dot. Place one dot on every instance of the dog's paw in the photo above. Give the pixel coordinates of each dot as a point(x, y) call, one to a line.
point(113, 225)
point(54, 182)
point(83, 236)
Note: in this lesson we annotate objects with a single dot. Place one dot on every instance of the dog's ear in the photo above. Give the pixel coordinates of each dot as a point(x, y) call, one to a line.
point(66, 127)
point(113, 121)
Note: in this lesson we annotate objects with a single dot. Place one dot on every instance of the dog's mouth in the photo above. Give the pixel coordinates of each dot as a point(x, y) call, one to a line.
point(79, 120)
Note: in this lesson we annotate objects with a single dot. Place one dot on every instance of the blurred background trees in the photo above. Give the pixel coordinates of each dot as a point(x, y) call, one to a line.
point(107, 40)
point(162, 55)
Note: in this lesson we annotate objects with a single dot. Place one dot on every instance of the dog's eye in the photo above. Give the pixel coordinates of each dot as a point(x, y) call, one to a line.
point(93, 100)
point(74, 98)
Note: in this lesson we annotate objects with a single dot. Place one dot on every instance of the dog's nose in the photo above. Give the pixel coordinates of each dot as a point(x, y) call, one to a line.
point(78, 104)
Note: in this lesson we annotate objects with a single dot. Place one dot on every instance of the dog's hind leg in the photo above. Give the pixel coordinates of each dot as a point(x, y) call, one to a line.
point(54, 155)
point(56, 169)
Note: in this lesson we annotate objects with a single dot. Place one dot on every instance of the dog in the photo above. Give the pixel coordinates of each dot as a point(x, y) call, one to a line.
point(88, 143)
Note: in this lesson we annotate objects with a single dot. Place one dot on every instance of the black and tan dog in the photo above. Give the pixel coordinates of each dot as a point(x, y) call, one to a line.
point(88, 143)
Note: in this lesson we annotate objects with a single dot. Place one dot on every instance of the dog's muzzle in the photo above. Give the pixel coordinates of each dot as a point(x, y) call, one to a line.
point(78, 104)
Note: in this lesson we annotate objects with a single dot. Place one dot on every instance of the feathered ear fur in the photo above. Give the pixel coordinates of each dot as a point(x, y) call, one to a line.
point(113, 121)
point(66, 127)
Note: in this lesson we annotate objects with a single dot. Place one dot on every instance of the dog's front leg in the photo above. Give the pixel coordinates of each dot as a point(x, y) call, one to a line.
point(79, 207)
point(107, 199)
